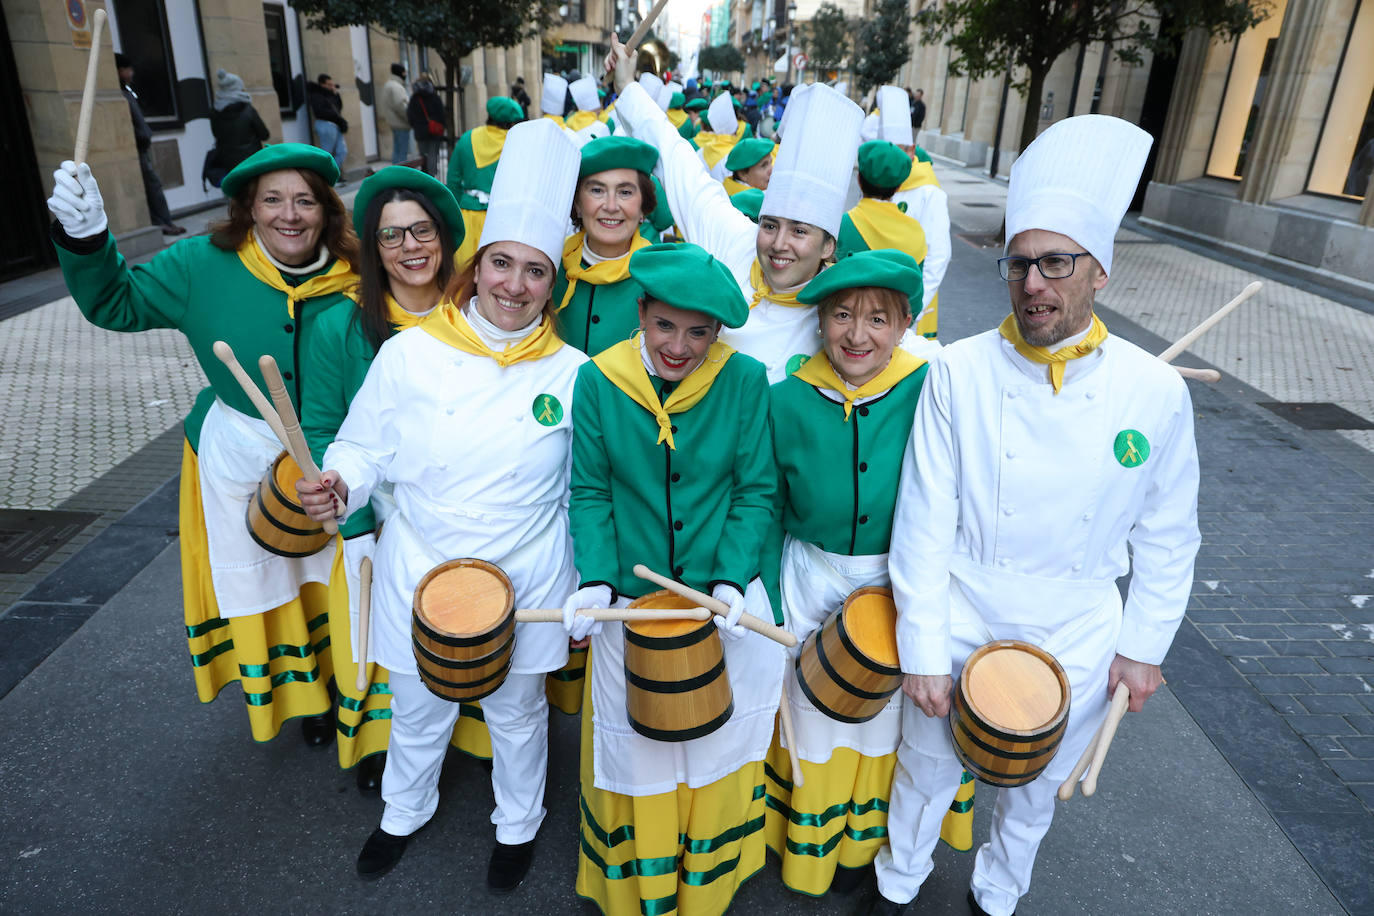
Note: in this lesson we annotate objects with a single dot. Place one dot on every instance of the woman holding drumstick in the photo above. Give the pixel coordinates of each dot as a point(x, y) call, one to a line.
point(670, 467)
point(260, 281)
point(485, 375)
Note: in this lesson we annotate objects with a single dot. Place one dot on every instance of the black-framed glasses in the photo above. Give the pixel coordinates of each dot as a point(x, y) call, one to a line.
point(1055, 266)
point(426, 230)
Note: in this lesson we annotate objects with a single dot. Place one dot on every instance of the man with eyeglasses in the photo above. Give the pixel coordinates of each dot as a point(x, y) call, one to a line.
point(1040, 451)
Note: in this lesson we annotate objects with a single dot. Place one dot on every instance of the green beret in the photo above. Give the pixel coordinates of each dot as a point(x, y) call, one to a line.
point(697, 104)
point(281, 156)
point(883, 164)
point(620, 152)
point(756, 86)
point(662, 218)
point(504, 109)
point(707, 83)
point(885, 267)
point(922, 155)
point(748, 153)
point(748, 202)
point(677, 101)
point(400, 176)
point(685, 276)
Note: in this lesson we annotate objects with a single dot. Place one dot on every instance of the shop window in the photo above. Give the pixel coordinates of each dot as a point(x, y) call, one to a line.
point(144, 40)
point(1245, 86)
point(279, 57)
point(1345, 153)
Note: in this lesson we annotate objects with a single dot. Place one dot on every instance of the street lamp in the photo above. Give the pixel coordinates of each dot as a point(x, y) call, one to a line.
point(791, 15)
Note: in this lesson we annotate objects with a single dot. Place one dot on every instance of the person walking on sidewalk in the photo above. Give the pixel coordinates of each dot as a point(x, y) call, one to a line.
point(428, 118)
point(326, 108)
point(236, 124)
point(259, 282)
point(143, 140)
point(1047, 459)
point(395, 103)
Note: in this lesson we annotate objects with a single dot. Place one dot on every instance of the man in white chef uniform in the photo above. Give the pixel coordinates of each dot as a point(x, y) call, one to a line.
point(1040, 451)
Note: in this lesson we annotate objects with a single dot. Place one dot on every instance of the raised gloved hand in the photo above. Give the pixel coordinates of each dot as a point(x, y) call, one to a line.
point(76, 202)
point(580, 626)
point(729, 624)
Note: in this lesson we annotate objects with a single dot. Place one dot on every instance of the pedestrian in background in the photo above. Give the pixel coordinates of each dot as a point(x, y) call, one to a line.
point(143, 139)
point(427, 118)
point(522, 98)
point(395, 102)
point(238, 128)
point(918, 108)
point(326, 107)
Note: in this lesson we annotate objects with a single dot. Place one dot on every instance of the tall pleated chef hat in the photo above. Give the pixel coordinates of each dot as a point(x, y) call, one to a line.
point(673, 87)
point(1077, 179)
point(584, 94)
point(894, 114)
point(720, 117)
point(651, 83)
point(812, 169)
point(664, 96)
point(869, 130)
point(592, 131)
point(555, 94)
point(532, 191)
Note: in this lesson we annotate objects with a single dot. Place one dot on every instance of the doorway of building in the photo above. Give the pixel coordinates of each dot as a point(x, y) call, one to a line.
point(24, 245)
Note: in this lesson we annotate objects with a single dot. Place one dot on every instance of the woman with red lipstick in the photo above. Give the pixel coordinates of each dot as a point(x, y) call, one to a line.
point(670, 469)
point(260, 282)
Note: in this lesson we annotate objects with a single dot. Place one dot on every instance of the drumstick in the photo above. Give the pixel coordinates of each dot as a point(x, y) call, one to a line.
point(748, 621)
point(364, 615)
point(555, 615)
point(1067, 786)
point(789, 736)
point(639, 33)
point(295, 439)
point(264, 406)
point(1118, 709)
point(1209, 322)
point(83, 121)
point(1202, 375)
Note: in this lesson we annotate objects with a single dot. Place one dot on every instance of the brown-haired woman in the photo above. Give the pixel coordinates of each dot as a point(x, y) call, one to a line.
point(258, 282)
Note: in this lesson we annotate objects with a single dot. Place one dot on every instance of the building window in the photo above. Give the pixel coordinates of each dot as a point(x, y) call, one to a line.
point(1245, 85)
point(144, 40)
point(573, 10)
point(1345, 153)
point(278, 56)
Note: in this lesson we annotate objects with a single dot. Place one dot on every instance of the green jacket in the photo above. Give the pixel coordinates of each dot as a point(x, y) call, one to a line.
point(208, 295)
point(597, 316)
point(698, 514)
point(464, 175)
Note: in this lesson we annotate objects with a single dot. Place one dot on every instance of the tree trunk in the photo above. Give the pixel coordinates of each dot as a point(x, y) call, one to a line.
point(1031, 121)
point(455, 116)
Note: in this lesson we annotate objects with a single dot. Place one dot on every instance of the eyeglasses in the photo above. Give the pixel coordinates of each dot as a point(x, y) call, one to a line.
point(1055, 266)
point(393, 236)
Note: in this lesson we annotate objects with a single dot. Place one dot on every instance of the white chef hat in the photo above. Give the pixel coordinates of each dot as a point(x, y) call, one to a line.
point(555, 94)
point(720, 117)
point(532, 191)
point(869, 129)
point(651, 83)
point(584, 94)
point(894, 112)
point(673, 87)
point(591, 132)
point(842, 88)
point(812, 170)
point(1077, 179)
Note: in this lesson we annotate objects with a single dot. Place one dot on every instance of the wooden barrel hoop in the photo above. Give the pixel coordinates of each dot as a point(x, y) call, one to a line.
point(837, 670)
point(676, 687)
point(276, 522)
point(463, 629)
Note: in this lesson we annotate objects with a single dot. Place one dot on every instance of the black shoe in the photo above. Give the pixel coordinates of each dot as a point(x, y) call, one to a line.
point(847, 880)
point(380, 854)
point(508, 866)
point(369, 774)
point(318, 731)
point(884, 907)
point(173, 229)
point(976, 910)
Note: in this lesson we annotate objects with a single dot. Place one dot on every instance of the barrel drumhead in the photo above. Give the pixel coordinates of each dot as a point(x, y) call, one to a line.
point(870, 622)
point(1014, 686)
point(663, 600)
point(464, 597)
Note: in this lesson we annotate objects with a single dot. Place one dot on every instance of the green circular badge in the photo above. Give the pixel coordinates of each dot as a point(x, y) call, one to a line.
point(1131, 448)
point(796, 362)
point(546, 409)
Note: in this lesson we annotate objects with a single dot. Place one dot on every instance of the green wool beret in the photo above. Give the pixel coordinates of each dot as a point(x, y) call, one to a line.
point(885, 267)
point(677, 101)
point(685, 276)
point(755, 87)
point(400, 176)
point(504, 109)
point(617, 152)
point(922, 155)
point(748, 153)
point(697, 104)
point(281, 156)
point(662, 217)
point(748, 202)
point(883, 164)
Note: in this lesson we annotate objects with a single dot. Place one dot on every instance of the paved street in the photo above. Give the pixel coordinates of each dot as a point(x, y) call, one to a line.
point(1247, 785)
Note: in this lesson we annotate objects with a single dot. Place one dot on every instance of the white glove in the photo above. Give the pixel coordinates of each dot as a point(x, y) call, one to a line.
point(580, 626)
point(729, 624)
point(355, 549)
point(76, 202)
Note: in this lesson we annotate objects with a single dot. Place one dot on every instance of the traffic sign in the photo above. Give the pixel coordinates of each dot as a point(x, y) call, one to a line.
point(800, 61)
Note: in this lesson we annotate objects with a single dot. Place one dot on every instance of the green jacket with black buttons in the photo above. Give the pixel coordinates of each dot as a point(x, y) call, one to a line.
point(597, 317)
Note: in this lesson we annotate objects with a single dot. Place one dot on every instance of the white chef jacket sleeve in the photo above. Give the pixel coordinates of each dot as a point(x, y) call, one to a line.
point(923, 531)
point(934, 219)
point(366, 441)
point(1164, 542)
point(699, 204)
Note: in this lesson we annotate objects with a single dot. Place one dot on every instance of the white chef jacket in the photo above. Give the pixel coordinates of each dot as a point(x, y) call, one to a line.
point(774, 334)
point(476, 474)
point(929, 206)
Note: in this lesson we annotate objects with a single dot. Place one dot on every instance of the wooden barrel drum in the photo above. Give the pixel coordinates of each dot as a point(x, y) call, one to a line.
point(676, 688)
point(463, 628)
point(848, 668)
point(276, 521)
point(1009, 711)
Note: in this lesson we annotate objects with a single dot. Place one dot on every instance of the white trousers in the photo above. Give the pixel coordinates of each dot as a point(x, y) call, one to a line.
point(517, 716)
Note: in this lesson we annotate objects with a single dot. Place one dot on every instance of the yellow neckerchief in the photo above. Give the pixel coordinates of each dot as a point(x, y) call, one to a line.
point(487, 143)
point(339, 278)
point(715, 147)
point(579, 119)
point(557, 119)
point(612, 270)
point(449, 324)
point(397, 315)
point(677, 116)
point(1056, 360)
point(763, 291)
point(818, 371)
point(623, 366)
point(606, 113)
point(733, 186)
point(884, 224)
point(922, 173)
